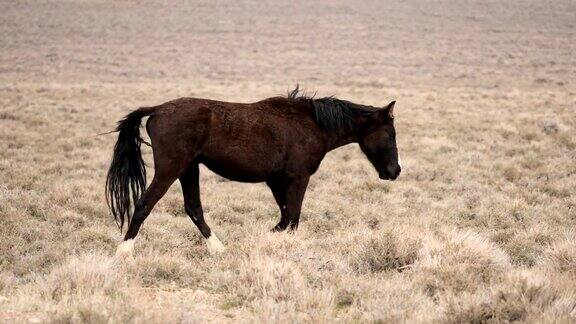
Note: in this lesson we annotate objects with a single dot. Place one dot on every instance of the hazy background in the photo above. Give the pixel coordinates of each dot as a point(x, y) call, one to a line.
point(479, 227)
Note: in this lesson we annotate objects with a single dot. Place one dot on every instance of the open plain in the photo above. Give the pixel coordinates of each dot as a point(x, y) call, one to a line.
point(480, 226)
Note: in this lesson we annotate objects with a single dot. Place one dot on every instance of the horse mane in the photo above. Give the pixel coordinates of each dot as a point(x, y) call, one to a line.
point(330, 112)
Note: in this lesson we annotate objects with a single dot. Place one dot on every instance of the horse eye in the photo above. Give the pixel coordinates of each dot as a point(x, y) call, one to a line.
point(392, 135)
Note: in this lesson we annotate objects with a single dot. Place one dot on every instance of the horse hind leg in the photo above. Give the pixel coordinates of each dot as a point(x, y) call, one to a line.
point(163, 179)
point(191, 191)
point(142, 209)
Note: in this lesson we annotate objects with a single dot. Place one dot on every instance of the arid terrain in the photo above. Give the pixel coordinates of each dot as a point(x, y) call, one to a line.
point(480, 226)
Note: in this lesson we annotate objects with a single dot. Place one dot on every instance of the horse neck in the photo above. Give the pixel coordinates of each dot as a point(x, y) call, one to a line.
point(340, 138)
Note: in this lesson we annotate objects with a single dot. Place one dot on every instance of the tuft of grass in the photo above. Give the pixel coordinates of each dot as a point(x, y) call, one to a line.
point(566, 140)
point(230, 303)
point(522, 252)
point(156, 270)
point(383, 252)
point(344, 299)
point(511, 173)
point(515, 299)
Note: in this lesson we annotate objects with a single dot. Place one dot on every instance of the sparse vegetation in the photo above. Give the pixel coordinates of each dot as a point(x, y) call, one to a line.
point(480, 227)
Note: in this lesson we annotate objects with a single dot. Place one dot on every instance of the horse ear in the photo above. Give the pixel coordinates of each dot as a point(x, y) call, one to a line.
point(389, 110)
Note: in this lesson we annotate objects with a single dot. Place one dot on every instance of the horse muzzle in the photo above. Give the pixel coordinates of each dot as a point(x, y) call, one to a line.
point(390, 175)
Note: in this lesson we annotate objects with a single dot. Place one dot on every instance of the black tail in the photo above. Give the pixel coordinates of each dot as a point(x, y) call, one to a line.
point(127, 173)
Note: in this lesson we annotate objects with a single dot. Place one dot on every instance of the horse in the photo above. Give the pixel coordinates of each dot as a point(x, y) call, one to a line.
point(279, 140)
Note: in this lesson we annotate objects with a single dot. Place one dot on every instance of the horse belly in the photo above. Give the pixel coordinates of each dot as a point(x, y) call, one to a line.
point(244, 145)
point(243, 167)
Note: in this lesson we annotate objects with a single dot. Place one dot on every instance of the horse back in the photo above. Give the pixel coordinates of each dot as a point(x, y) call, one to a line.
point(241, 141)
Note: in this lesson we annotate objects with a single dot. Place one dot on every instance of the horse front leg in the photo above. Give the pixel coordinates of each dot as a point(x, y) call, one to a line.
point(294, 197)
point(278, 188)
point(289, 196)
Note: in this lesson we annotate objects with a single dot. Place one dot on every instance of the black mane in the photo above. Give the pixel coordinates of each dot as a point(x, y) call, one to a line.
point(332, 113)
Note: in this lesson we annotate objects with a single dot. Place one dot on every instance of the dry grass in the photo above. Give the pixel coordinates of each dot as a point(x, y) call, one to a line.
point(480, 227)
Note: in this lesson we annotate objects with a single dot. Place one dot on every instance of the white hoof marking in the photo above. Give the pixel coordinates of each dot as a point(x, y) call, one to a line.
point(125, 250)
point(214, 244)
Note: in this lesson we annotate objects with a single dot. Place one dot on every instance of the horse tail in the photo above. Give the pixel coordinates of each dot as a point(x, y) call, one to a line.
point(127, 173)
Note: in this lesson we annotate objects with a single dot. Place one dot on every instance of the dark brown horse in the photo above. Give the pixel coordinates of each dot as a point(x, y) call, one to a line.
point(279, 140)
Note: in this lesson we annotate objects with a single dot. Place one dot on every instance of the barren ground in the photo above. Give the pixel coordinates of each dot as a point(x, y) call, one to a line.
point(479, 227)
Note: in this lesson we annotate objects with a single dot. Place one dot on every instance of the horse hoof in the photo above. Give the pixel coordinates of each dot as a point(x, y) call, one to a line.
point(278, 228)
point(214, 245)
point(125, 251)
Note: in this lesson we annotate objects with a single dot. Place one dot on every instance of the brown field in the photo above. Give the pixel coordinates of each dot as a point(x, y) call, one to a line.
point(480, 226)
